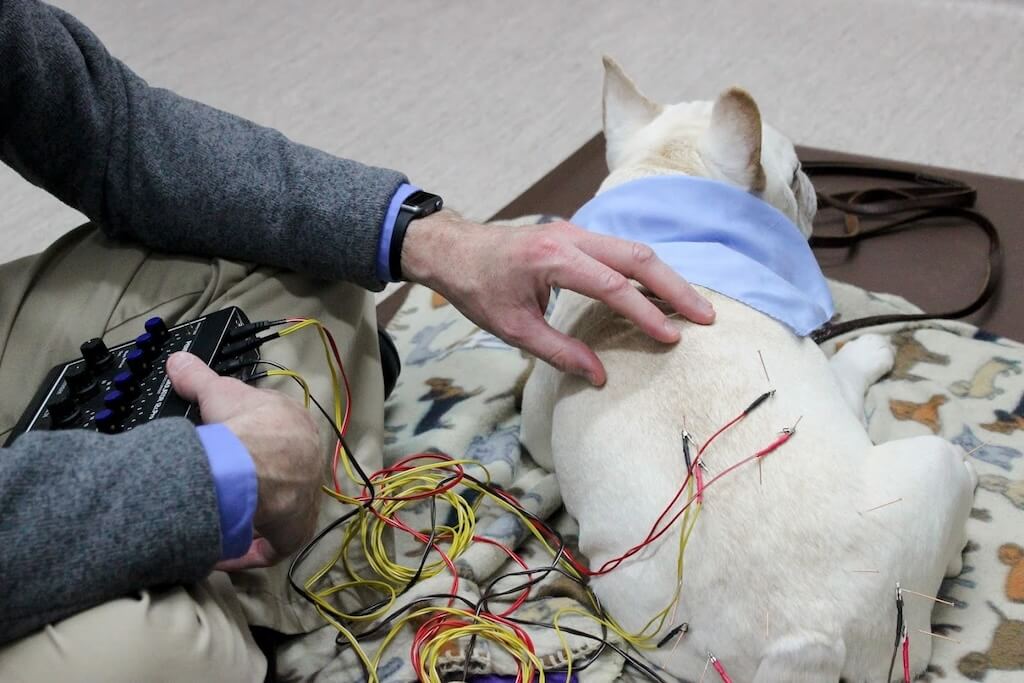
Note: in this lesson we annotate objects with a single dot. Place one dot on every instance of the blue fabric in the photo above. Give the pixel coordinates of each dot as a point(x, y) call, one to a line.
point(234, 478)
point(720, 237)
point(384, 245)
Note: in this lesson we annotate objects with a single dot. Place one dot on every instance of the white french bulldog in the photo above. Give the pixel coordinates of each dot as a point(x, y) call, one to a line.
point(790, 574)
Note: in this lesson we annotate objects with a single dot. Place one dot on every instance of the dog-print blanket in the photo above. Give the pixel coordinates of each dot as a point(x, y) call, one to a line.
point(457, 394)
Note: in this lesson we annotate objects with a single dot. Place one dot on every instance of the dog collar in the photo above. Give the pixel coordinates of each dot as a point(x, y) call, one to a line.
point(722, 238)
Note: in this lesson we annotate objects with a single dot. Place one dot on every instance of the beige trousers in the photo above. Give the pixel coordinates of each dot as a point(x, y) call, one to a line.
point(86, 286)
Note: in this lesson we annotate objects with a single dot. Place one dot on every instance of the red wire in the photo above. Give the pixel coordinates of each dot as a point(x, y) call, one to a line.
point(721, 430)
point(699, 476)
point(694, 471)
point(761, 453)
point(721, 671)
point(428, 630)
point(656, 533)
point(344, 378)
point(403, 465)
point(906, 659)
point(435, 625)
point(423, 538)
point(518, 560)
point(348, 400)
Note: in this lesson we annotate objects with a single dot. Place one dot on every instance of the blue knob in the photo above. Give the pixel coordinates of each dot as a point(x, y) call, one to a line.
point(158, 328)
point(138, 363)
point(148, 344)
point(116, 401)
point(106, 421)
point(126, 383)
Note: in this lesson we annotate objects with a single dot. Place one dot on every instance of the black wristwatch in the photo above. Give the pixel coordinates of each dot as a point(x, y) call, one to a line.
point(416, 205)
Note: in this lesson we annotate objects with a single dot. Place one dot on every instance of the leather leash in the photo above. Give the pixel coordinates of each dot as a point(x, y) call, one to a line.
point(927, 197)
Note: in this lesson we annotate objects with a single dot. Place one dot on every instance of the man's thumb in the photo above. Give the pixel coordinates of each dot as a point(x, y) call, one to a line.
point(189, 375)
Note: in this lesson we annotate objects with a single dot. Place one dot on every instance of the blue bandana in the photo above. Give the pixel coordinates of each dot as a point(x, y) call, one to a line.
point(720, 237)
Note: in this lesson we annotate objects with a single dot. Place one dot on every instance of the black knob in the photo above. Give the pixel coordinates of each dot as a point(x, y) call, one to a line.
point(126, 383)
point(63, 409)
point(96, 353)
point(148, 344)
point(80, 381)
point(158, 328)
point(138, 363)
point(107, 422)
point(117, 402)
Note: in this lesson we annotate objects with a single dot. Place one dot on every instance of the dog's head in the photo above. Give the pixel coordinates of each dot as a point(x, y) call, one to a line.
point(724, 140)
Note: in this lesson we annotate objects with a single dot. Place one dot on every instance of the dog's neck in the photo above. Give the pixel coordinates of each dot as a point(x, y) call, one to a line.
point(687, 163)
point(636, 172)
point(720, 237)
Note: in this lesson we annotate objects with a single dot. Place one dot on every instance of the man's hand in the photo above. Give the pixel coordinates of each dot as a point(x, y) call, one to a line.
point(501, 278)
point(282, 439)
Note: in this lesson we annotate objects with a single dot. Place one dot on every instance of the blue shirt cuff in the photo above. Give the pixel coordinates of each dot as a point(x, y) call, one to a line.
point(388, 229)
point(234, 478)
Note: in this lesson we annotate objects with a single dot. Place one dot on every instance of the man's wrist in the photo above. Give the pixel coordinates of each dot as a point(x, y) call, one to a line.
point(429, 242)
point(236, 485)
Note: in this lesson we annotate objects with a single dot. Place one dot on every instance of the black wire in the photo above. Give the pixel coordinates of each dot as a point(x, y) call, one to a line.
point(252, 328)
point(758, 401)
point(337, 432)
point(629, 659)
point(427, 548)
point(899, 634)
point(546, 570)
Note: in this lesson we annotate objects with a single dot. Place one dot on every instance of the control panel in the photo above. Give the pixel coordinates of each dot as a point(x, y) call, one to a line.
point(114, 389)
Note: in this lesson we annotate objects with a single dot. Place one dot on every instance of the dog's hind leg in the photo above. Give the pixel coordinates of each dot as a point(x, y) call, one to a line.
point(803, 657)
point(859, 364)
point(538, 407)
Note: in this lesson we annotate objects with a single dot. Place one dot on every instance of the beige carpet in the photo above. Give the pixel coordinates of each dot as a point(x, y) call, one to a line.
point(477, 100)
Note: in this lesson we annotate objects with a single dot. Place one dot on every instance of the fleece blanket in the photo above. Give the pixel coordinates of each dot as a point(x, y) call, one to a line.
point(457, 394)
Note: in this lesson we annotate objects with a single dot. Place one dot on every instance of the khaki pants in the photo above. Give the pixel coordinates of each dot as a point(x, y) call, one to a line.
point(86, 286)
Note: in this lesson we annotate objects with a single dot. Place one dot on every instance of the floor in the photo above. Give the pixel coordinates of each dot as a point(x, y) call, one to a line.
point(477, 100)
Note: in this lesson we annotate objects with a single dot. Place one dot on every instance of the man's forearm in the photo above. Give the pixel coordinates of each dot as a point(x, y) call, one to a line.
point(147, 164)
point(86, 518)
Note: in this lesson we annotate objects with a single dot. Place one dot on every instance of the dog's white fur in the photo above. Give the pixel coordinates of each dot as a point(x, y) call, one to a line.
point(785, 580)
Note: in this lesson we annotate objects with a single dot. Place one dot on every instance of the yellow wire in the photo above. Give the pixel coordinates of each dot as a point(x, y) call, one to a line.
point(300, 378)
point(336, 387)
point(479, 625)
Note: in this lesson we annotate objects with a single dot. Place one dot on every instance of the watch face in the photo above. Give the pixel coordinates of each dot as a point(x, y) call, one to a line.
point(423, 203)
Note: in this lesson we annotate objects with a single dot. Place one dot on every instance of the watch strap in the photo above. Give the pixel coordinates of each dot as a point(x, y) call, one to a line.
point(418, 205)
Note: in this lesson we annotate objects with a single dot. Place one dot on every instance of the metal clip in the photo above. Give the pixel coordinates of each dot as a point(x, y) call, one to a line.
point(792, 430)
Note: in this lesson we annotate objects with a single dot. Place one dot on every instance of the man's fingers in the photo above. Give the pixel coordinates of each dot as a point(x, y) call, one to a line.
point(563, 352)
point(260, 554)
point(189, 375)
point(596, 280)
point(639, 262)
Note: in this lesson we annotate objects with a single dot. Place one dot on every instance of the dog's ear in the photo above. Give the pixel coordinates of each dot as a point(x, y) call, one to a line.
point(805, 657)
point(732, 144)
point(625, 111)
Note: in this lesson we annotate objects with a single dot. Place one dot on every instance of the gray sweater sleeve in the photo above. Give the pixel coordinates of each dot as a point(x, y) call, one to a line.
point(174, 174)
point(86, 517)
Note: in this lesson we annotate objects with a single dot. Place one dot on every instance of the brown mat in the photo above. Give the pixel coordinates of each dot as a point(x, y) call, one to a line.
point(937, 267)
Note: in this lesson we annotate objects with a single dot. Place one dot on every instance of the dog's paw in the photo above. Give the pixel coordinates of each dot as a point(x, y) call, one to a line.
point(972, 474)
point(873, 356)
